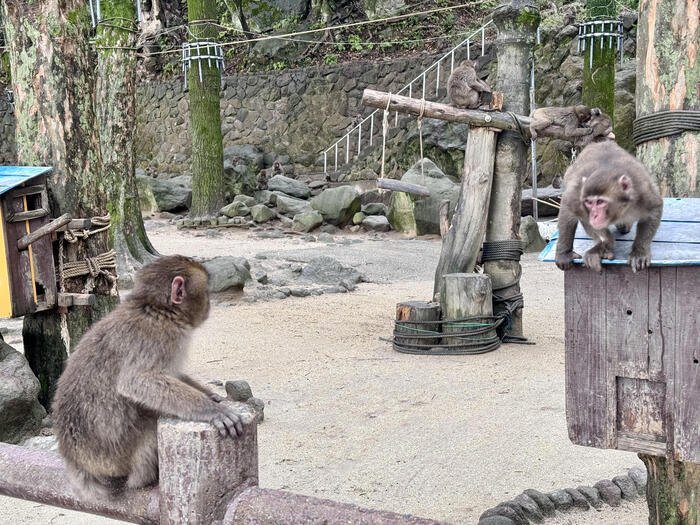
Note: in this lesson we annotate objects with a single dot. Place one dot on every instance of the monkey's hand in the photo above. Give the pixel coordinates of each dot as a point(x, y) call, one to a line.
point(591, 259)
point(216, 398)
point(639, 259)
point(227, 421)
point(565, 261)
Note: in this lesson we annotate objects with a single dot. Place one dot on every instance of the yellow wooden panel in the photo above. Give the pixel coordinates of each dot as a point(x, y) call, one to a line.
point(5, 294)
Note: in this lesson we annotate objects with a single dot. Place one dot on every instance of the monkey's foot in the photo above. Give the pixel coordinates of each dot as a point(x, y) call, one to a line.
point(565, 261)
point(639, 259)
point(623, 228)
point(591, 259)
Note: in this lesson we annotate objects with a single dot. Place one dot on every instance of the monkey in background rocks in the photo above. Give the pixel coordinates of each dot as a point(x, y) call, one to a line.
point(125, 372)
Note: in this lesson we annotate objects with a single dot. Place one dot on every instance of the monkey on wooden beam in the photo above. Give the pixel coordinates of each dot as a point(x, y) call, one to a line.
point(126, 372)
point(579, 124)
point(608, 186)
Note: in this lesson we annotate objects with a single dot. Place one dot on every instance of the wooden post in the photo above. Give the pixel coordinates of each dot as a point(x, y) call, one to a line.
point(444, 220)
point(200, 472)
point(667, 42)
point(465, 295)
point(460, 246)
point(517, 23)
point(406, 316)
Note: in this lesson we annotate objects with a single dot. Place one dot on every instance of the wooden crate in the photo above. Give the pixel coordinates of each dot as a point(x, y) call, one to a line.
point(633, 343)
point(27, 277)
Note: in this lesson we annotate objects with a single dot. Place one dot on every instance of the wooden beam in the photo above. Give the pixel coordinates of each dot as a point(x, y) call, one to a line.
point(473, 117)
point(76, 299)
point(24, 242)
point(406, 187)
point(76, 224)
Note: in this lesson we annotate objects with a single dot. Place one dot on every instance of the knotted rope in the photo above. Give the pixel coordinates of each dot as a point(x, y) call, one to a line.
point(385, 128)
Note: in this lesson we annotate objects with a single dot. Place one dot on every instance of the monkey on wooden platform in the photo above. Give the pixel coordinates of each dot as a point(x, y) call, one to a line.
point(466, 89)
point(605, 186)
point(125, 372)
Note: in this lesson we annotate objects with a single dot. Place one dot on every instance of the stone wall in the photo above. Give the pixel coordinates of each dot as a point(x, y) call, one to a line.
point(292, 113)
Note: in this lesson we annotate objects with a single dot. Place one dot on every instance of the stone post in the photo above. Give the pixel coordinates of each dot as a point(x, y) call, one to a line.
point(517, 23)
point(200, 472)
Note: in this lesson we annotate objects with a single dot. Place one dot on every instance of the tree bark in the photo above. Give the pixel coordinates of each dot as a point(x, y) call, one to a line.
point(668, 76)
point(517, 23)
point(208, 189)
point(668, 73)
point(56, 126)
point(599, 75)
point(116, 91)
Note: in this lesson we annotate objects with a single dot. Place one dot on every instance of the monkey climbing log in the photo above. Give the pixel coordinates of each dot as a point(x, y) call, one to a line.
point(632, 342)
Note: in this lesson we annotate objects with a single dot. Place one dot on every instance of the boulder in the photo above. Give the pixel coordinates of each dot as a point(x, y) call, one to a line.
point(421, 215)
point(291, 206)
point(245, 199)
point(235, 209)
point(530, 235)
point(337, 205)
point(227, 272)
point(305, 222)
point(242, 163)
point(20, 411)
point(358, 218)
point(264, 197)
point(375, 208)
point(261, 213)
point(289, 186)
point(172, 194)
point(329, 271)
point(377, 223)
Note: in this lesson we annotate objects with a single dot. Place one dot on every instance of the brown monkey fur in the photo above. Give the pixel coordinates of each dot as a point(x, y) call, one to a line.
point(600, 125)
point(262, 180)
point(560, 122)
point(465, 88)
point(125, 372)
point(277, 169)
point(606, 185)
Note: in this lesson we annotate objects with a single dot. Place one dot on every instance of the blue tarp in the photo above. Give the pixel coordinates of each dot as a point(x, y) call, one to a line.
point(13, 176)
point(677, 241)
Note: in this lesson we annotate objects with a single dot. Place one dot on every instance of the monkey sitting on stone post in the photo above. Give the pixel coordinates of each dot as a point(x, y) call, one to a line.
point(125, 373)
point(606, 185)
point(466, 89)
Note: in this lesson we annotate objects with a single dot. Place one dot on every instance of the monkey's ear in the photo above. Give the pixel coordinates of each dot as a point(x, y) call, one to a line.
point(177, 290)
point(625, 183)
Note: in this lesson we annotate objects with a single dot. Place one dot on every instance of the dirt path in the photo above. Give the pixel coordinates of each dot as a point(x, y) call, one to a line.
point(348, 418)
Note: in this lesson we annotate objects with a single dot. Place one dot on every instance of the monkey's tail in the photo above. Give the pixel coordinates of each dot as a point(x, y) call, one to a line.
point(89, 486)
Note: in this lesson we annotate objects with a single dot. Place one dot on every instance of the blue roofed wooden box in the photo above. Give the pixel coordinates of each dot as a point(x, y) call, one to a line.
point(633, 342)
point(27, 276)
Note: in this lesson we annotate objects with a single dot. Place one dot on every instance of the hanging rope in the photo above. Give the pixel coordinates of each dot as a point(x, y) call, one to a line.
point(72, 236)
point(420, 137)
point(664, 124)
point(385, 128)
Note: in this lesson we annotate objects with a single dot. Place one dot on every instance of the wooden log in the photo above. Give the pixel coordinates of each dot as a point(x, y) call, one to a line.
point(444, 220)
point(200, 471)
point(464, 295)
point(406, 187)
point(75, 299)
point(410, 317)
point(27, 215)
point(24, 242)
point(473, 117)
point(461, 245)
point(76, 224)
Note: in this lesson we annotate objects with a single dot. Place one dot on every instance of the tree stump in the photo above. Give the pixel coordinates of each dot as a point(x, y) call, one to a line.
point(464, 295)
point(410, 320)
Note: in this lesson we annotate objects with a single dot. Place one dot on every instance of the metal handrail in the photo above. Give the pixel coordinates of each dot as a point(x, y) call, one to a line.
point(409, 86)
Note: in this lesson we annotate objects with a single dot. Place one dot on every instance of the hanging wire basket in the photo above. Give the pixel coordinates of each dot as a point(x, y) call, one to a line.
point(609, 32)
point(96, 13)
point(199, 51)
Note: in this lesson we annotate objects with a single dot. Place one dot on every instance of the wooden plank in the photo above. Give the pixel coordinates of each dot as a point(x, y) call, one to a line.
point(661, 329)
point(586, 359)
point(24, 242)
point(662, 254)
point(461, 245)
point(681, 209)
point(20, 271)
point(473, 117)
point(674, 232)
point(27, 215)
point(641, 408)
point(687, 366)
point(76, 224)
point(627, 321)
point(35, 189)
point(75, 299)
point(444, 218)
point(643, 444)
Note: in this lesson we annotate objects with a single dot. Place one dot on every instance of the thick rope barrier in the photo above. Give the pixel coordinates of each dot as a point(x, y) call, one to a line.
point(664, 124)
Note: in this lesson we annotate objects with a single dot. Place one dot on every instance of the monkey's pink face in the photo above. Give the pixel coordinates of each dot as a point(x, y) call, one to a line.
point(597, 206)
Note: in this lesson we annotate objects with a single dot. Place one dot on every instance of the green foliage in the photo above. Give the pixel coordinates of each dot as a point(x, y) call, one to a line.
point(277, 66)
point(330, 59)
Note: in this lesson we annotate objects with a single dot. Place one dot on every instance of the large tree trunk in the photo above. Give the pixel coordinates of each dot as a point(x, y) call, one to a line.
point(517, 23)
point(208, 191)
point(668, 72)
point(56, 126)
point(599, 74)
point(116, 91)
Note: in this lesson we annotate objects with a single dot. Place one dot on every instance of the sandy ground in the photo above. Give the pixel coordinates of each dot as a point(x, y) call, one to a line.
point(348, 418)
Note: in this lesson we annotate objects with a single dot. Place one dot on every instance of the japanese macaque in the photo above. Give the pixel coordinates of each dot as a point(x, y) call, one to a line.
point(606, 185)
point(277, 169)
point(562, 123)
point(600, 125)
point(125, 372)
point(262, 180)
point(466, 89)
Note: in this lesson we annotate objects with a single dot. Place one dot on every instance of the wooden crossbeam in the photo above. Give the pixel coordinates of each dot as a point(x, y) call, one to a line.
point(473, 117)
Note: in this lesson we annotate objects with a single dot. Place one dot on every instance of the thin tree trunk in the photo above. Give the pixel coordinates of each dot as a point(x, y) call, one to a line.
point(208, 190)
point(668, 72)
point(599, 75)
point(116, 91)
point(56, 126)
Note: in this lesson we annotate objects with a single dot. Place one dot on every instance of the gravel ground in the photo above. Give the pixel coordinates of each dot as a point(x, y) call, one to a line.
point(348, 418)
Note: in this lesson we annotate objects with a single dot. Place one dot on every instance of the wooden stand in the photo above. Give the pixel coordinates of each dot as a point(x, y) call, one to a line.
point(465, 295)
point(410, 319)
